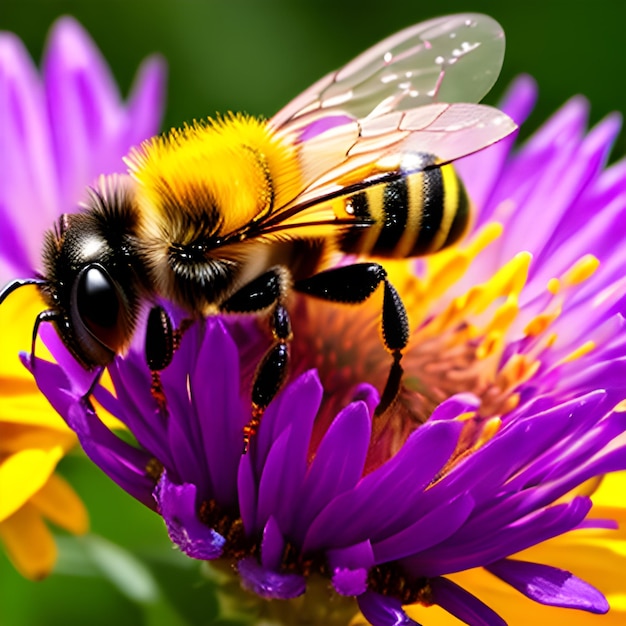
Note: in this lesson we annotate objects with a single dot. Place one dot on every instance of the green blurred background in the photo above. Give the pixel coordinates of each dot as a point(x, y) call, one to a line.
point(255, 55)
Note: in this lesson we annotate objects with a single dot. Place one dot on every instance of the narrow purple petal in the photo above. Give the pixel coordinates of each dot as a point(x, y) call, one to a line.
point(465, 550)
point(144, 111)
point(121, 462)
point(519, 99)
point(337, 466)
point(451, 408)
point(215, 396)
point(272, 545)
point(277, 466)
point(80, 378)
point(53, 383)
point(462, 604)
point(177, 504)
point(286, 462)
point(247, 493)
point(269, 584)
point(359, 555)
point(436, 526)
point(84, 108)
point(605, 524)
point(549, 585)
point(381, 610)
point(27, 175)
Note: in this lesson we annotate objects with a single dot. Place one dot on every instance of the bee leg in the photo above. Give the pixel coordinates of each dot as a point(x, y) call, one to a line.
point(159, 349)
point(44, 316)
point(353, 284)
point(268, 291)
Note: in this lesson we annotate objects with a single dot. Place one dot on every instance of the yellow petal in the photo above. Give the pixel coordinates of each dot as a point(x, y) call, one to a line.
point(59, 503)
point(29, 543)
point(22, 475)
point(17, 437)
point(18, 312)
point(611, 491)
point(26, 404)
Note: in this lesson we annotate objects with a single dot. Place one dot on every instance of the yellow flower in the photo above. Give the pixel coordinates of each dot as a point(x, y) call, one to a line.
point(33, 438)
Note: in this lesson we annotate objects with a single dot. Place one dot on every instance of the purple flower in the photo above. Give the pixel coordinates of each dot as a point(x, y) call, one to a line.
point(60, 130)
point(511, 397)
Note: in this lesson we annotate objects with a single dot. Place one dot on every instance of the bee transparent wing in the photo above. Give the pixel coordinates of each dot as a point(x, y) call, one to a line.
point(456, 58)
point(383, 146)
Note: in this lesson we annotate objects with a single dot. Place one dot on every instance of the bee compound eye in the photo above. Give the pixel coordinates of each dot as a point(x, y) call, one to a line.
point(97, 304)
point(97, 298)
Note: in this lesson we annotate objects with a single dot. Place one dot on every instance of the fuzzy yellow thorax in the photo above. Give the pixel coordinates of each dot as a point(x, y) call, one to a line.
point(221, 174)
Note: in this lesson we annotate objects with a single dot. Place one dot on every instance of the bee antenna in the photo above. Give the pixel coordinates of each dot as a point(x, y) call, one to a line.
point(16, 284)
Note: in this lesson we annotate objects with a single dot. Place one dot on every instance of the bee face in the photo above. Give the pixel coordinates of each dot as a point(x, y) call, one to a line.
point(92, 279)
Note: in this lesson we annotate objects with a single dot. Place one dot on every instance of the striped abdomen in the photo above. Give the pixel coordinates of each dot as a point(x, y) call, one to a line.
point(411, 215)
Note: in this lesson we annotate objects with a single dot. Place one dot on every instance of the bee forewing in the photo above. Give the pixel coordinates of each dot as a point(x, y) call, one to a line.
point(447, 131)
point(460, 129)
point(456, 58)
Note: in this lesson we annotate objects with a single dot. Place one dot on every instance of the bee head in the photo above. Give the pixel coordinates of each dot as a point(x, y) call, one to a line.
point(93, 279)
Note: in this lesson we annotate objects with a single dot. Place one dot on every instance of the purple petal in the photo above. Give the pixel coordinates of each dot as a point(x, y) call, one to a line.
point(53, 383)
point(121, 462)
point(436, 526)
point(144, 101)
point(286, 462)
point(455, 406)
point(177, 505)
point(462, 604)
point(215, 396)
point(81, 379)
point(549, 585)
point(381, 610)
point(84, 108)
point(269, 584)
point(27, 177)
point(338, 464)
point(463, 552)
point(272, 546)
point(247, 492)
point(519, 99)
point(349, 582)
point(350, 567)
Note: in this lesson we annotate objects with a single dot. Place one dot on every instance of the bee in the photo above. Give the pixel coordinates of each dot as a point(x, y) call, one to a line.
point(232, 214)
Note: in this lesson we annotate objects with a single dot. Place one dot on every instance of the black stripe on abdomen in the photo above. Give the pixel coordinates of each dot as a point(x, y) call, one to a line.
point(432, 210)
point(395, 210)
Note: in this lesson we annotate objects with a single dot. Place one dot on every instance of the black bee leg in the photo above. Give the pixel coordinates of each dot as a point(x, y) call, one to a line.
point(44, 316)
point(353, 284)
point(159, 349)
point(267, 292)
